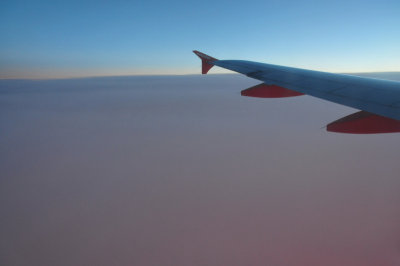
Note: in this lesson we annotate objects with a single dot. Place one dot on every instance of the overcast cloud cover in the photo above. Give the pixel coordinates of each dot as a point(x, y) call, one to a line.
point(184, 171)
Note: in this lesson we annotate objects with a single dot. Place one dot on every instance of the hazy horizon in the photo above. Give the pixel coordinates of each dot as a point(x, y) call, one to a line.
point(389, 75)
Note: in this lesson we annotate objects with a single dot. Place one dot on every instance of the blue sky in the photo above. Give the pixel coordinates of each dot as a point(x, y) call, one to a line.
point(48, 39)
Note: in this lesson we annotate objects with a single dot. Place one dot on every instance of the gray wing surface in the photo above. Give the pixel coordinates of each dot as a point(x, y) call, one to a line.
point(381, 97)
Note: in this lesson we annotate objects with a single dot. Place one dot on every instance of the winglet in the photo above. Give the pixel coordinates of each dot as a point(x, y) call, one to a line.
point(206, 61)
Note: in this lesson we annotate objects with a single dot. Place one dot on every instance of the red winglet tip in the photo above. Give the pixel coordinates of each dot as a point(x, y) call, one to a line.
point(206, 61)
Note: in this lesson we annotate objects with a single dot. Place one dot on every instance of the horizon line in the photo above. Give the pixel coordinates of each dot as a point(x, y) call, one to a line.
point(159, 75)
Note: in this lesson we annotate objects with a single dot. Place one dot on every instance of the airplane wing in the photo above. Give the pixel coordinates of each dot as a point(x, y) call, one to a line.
point(378, 99)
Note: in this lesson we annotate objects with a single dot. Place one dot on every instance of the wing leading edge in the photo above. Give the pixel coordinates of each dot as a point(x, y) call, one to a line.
point(380, 97)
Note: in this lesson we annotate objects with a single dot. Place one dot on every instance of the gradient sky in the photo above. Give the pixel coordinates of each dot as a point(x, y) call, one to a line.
point(48, 39)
